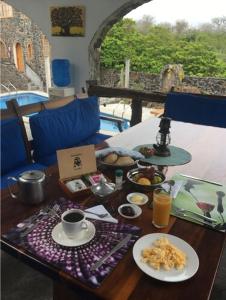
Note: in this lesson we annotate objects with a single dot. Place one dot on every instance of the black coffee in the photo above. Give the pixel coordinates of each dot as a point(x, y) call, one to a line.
point(73, 217)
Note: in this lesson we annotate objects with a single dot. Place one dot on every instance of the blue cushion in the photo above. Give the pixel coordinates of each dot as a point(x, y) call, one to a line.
point(13, 151)
point(64, 127)
point(61, 72)
point(17, 172)
point(94, 139)
point(196, 109)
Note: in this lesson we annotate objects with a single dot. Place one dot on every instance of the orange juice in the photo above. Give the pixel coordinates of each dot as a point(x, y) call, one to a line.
point(161, 208)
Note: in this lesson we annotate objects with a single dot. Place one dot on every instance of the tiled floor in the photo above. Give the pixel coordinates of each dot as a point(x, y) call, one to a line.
point(21, 282)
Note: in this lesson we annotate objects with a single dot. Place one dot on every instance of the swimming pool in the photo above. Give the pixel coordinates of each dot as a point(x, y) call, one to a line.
point(22, 98)
point(111, 126)
point(31, 98)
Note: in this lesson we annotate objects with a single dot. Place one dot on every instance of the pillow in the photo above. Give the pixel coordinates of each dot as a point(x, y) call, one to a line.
point(64, 127)
point(13, 151)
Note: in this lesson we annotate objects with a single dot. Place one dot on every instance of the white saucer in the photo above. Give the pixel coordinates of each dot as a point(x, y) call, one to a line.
point(141, 202)
point(60, 237)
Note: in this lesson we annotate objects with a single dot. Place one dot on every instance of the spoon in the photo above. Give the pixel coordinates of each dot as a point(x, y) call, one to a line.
point(98, 215)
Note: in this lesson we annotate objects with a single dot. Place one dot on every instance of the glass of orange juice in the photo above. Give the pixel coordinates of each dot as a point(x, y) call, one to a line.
point(161, 207)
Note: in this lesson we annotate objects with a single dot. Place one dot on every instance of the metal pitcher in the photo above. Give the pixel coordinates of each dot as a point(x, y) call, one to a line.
point(31, 185)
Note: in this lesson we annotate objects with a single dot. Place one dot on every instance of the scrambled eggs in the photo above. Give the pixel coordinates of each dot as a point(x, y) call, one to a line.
point(165, 255)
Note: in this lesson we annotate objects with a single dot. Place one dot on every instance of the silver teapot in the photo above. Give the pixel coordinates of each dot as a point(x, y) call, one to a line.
point(31, 185)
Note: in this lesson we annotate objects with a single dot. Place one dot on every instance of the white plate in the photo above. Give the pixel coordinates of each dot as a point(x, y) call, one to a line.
point(173, 275)
point(136, 208)
point(143, 201)
point(60, 237)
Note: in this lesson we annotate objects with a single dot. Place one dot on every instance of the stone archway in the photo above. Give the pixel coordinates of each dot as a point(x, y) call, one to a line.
point(94, 46)
point(171, 76)
point(19, 58)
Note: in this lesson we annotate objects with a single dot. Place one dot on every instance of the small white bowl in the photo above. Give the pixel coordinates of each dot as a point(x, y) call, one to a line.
point(136, 209)
point(141, 202)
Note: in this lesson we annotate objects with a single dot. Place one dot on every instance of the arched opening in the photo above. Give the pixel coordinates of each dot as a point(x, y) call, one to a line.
point(94, 46)
point(29, 52)
point(19, 58)
point(3, 50)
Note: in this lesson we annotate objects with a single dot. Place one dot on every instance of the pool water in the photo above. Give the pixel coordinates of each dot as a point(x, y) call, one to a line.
point(22, 99)
point(111, 126)
point(31, 98)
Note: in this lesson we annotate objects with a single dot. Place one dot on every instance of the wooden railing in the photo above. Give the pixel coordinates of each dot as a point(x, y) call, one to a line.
point(136, 96)
point(14, 110)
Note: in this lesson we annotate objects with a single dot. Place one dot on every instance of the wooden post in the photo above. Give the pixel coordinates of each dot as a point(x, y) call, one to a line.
point(136, 107)
point(13, 106)
point(127, 71)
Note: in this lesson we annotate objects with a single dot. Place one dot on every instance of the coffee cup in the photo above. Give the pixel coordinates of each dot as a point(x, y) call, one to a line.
point(73, 223)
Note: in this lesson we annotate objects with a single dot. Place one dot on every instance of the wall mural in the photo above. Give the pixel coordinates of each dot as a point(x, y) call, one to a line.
point(68, 21)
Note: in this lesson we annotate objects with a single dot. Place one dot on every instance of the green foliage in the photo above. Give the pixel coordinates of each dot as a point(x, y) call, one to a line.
point(150, 47)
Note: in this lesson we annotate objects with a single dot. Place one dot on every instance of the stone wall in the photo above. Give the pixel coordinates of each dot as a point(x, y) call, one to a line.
point(207, 85)
point(151, 82)
point(20, 29)
point(9, 74)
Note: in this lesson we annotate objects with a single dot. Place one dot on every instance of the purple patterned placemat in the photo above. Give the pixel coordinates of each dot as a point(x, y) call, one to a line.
point(76, 261)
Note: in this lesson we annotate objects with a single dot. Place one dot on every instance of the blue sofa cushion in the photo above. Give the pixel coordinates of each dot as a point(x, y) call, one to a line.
point(64, 127)
point(15, 173)
point(94, 139)
point(13, 151)
point(196, 109)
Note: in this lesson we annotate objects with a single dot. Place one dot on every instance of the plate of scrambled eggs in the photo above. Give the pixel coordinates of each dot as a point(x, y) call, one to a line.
point(165, 257)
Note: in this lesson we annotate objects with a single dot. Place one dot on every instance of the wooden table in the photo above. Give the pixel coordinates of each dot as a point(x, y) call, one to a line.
point(207, 146)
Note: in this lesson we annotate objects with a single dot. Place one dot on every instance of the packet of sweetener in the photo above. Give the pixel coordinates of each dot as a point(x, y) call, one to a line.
point(95, 178)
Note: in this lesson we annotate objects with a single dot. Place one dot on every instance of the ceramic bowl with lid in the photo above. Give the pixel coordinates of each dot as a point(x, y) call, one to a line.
point(103, 188)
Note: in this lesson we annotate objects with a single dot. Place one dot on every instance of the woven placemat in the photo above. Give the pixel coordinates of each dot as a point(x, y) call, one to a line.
point(77, 261)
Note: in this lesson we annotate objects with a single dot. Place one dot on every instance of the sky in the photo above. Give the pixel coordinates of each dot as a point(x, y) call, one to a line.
point(194, 12)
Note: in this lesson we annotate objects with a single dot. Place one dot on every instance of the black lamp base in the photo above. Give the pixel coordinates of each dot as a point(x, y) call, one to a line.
point(161, 150)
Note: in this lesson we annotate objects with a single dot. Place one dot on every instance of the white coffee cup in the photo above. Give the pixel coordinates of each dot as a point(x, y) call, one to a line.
point(73, 223)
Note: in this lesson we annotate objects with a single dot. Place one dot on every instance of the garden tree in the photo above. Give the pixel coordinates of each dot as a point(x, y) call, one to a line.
point(219, 23)
point(202, 52)
point(122, 42)
point(181, 27)
point(166, 25)
point(144, 24)
point(197, 60)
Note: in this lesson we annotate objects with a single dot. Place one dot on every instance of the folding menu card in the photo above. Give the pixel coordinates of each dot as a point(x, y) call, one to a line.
point(74, 164)
point(200, 201)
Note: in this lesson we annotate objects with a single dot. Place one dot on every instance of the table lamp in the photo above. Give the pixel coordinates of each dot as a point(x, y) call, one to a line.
point(163, 138)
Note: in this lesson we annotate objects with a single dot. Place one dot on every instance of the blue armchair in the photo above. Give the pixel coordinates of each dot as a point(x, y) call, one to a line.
point(14, 158)
point(198, 109)
point(74, 124)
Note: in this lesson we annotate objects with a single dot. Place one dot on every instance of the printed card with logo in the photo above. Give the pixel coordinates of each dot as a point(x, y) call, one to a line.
point(77, 161)
point(75, 164)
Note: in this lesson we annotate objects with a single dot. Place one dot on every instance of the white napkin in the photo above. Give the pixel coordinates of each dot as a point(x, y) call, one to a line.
point(174, 189)
point(100, 209)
